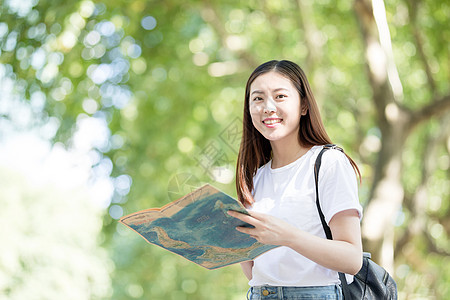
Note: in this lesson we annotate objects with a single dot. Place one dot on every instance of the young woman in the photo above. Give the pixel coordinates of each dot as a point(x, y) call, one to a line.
point(282, 136)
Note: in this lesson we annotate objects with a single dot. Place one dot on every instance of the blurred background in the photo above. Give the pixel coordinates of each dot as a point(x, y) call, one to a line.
point(110, 107)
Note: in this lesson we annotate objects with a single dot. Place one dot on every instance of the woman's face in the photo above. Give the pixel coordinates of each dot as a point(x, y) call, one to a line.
point(274, 105)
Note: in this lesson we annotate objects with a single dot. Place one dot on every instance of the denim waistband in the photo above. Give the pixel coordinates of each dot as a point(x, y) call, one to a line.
point(292, 292)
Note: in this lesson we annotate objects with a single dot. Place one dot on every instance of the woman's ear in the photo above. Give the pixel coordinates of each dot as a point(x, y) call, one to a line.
point(304, 109)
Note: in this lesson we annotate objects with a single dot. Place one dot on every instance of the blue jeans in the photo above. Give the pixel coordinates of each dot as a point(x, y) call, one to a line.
point(294, 293)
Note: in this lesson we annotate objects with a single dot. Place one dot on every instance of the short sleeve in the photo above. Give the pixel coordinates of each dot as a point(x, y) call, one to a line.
point(338, 187)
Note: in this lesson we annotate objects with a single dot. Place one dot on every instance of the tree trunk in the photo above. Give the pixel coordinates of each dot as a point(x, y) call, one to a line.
point(387, 191)
point(395, 122)
point(385, 199)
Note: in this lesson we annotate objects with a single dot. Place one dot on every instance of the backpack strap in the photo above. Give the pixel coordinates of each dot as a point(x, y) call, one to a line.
point(316, 179)
point(326, 228)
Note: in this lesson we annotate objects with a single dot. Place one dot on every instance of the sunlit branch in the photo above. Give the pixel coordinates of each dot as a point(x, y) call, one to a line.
point(379, 13)
point(434, 109)
point(375, 57)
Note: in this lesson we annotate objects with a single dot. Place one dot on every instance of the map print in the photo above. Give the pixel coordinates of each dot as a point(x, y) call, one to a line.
point(198, 228)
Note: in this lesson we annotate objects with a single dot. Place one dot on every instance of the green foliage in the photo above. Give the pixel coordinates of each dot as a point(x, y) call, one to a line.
point(168, 78)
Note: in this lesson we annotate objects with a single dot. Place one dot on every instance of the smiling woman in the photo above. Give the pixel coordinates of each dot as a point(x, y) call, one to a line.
point(282, 137)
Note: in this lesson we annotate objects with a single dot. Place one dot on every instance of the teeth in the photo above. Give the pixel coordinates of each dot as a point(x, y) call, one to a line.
point(271, 122)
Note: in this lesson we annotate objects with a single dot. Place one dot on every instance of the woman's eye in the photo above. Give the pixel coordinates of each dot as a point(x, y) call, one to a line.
point(257, 99)
point(281, 96)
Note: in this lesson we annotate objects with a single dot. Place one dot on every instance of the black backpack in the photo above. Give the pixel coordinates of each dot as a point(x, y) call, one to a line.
point(372, 281)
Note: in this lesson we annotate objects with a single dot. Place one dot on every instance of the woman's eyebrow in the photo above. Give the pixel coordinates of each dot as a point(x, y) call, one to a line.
point(273, 91)
point(280, 89)
point(257, 92)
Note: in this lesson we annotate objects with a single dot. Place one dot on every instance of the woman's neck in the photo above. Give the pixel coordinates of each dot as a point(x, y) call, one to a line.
point(286, 153)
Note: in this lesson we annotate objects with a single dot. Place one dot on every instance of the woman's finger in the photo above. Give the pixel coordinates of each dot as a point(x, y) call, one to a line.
point(246, 230)
point(243, 217)
point(257, 215)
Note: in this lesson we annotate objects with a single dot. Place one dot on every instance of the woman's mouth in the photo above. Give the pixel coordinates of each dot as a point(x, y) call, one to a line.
point(271, 122)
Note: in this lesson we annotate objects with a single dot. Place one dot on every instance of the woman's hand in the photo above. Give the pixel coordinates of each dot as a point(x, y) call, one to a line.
point(343, 253)
point(267, 229)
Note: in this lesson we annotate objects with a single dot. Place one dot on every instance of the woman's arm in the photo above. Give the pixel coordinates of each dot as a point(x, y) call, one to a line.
point(247, 268)
point(343, 253)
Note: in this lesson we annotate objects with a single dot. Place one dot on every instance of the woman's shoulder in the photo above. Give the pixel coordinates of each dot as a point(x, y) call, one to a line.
point(330, 157)
point(262, 169)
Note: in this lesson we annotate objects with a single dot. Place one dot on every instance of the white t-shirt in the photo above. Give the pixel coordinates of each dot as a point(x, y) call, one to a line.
point(289, 194)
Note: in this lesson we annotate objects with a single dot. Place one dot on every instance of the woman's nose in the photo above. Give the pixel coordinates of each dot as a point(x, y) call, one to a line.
point(270, 106)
